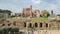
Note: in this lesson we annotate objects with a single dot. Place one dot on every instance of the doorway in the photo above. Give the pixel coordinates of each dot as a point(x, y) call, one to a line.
point(40, 24)
point(46, 24)
point(36, 25)
point(30, 25)
point(24, 24)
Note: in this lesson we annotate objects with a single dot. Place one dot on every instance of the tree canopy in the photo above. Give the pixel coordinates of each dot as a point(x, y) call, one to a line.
point(45, 13)
point(5, 11)
point(58, 14)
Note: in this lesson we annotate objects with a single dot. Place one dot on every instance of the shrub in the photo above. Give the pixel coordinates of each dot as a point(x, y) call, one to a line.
point(57, 20)
point(7, 29)
point(14, 29)
point(1, 30)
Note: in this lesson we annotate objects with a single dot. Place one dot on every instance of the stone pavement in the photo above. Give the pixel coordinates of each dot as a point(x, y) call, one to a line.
point(47, 32)
point(42, 32)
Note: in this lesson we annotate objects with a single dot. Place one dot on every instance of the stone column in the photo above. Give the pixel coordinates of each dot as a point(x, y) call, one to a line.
point(48, 25)
point(27, 24)
point(43, 25)
point(38, 25)
point(32, 24)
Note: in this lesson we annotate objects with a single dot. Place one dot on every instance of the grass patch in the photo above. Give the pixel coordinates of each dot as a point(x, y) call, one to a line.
point(25, 28)
point(47, 28)
point(40, 19)
point(40, 28)
point(32, 19)
point(15, 18)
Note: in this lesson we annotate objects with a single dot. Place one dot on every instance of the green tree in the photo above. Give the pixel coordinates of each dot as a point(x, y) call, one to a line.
point(0, 10)
point(20, 14)
point(58, 14)
point(45, 13)
point(5, 11)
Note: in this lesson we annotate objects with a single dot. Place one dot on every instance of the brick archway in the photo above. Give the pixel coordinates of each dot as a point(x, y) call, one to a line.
point(30, 25)
point(24, 24)
point(36, 25)
point(46, 24)
point(41, 24)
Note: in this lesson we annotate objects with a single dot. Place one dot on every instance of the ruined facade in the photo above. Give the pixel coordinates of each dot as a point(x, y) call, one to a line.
point(38, 24)
point(29, 12)
point(35, 24)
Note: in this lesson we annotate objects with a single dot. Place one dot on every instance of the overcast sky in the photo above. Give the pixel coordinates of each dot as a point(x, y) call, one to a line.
point(17, 5)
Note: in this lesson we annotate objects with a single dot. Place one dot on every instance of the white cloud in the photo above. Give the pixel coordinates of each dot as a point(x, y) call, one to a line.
point(17, 5)
point(55, 6)
point(36, 1)
point(44, 5)
point(7, 6)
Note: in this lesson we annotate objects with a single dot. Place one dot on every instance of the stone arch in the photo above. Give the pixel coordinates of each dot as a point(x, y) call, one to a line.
point(9, 24)
point(36, 25)
point(41, 24)
point(30, 25)
point(46, 24)
point(24, 24)
point(3, 24)
point(21, 32)
point(14, 23)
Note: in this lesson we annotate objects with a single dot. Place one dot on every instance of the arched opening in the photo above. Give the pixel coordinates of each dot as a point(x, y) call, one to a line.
point(46, 24)
point(30, 25)
point(21, 33)
point(24, 24)
point(14, 23)
point(36, 25)
point(9, 24)
point(40, 24)
point(3, 24)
